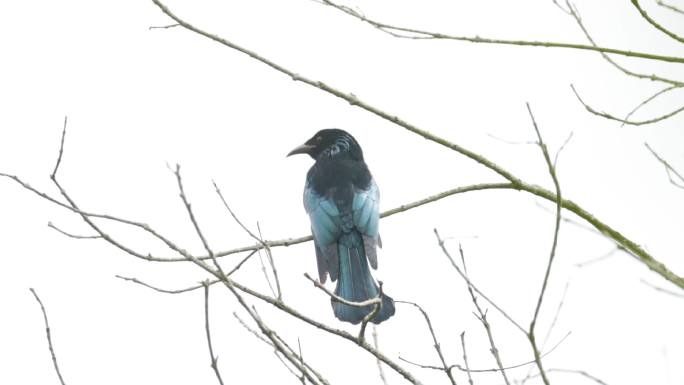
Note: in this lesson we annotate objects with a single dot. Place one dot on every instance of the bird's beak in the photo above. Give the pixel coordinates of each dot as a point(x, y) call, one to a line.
point(303, 149)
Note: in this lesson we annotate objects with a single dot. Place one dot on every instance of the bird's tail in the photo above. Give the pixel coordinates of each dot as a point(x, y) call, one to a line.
point(356, 284)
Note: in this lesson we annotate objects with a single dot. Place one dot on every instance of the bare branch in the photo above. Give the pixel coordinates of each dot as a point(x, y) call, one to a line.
point(561, 148)
point(655, 23)
point(606, 255)
point(578, 372)
point(606, 230)
point(165, 291)
point(381, 371)
point(271, 262)
point(163, 26)
point(188, 208)
point(555, 316)
point(214, 358)
point(239, 265)
point(482, 316)
point(669, 6)
point(50, 225)
point(440, 241)
point(341, 333)
point(49, 338)
point(488, 370)
point(259, 239)
point(624, 121)
point(263, 270)
point(552, 254)
point(465, 358)
point(662, 290)
point(276, 341)
point(575, 15)
point(648, 100)
point(61, 150)
point(446, 368)
point(668, 168)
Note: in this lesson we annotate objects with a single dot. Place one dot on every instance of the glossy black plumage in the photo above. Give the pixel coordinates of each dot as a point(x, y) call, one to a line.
point(342, 201)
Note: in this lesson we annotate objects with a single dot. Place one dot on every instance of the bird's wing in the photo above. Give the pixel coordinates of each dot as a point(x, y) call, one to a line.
point(366, 216)
point(326, 228)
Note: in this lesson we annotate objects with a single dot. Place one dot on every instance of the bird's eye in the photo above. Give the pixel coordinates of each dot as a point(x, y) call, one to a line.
point(318, 139)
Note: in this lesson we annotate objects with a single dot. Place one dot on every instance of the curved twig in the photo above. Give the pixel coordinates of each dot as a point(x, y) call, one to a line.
point(655, 23)
point(49, 337)
point(624, 121)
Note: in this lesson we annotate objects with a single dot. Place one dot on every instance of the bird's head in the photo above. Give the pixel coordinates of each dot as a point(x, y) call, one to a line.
point(330, 142)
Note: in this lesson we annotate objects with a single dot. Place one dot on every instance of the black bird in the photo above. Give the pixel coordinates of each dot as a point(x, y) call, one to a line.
point(342, 201)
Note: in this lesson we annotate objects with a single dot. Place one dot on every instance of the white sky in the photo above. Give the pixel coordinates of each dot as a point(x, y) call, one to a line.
point(138, 98)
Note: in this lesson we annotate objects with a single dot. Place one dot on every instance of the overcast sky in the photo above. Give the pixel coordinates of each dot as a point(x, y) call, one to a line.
point(138, 100)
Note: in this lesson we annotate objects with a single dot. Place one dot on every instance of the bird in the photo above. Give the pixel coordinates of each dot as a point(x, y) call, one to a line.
point(342, 201)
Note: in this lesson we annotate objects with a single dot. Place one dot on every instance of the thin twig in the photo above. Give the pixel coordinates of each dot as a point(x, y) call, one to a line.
point(50, 225)
point(381, 371)
point(163, 26)
point(561, 148)
point(482, 316)
point(273, 337)
point(552, 254)
point(271, 262)
point(435, 343)
point(188, 208)
point(662, 290)
point(578, 372)
point(440, 242)
point(602, 257)
point(165, 291)
point(465, 358)
point(187, 289)
point(239, 265)
point(259, 239)
point(61, 150)
point(668, 168)
point(648, 100)
point(49, 338)
point(624, 121)
point(214, 358)
point(487, 370)
point(263, 270)
point(669, 6)
point(301, 360)
point(555, 316)
point(269, 343)
point(656, 24)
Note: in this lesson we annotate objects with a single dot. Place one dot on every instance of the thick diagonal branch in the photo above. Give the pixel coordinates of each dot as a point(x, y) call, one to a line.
point(517, 183)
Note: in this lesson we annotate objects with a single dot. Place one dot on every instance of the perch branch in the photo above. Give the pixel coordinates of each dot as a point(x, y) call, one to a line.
point(606, 230)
